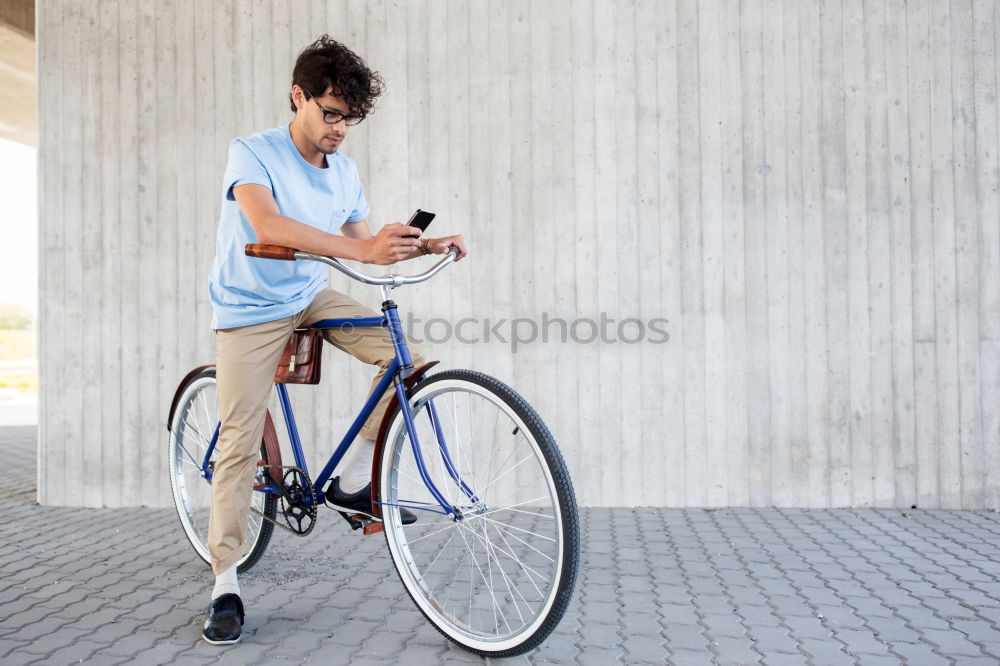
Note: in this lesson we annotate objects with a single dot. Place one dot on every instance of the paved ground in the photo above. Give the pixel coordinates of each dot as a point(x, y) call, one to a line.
point(18, 407)
point(658, 586)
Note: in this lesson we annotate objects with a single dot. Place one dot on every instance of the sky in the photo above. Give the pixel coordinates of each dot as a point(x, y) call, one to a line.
point(19, 222)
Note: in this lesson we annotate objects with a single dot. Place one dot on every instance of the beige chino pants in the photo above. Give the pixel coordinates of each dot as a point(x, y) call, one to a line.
point(246, 358)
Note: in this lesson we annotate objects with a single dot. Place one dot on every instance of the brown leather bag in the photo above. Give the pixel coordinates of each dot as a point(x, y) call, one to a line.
point(300, 361)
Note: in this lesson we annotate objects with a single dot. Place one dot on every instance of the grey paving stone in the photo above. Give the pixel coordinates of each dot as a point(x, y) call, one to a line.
point(791, 606)
point(691, 658)
point(675, 614)
point(686, 637)
point(861, 641)
point(599, 635)
point(891, 630)
point(558, 652)
point(735, 650)
point(758, 616)
point(775, 639)
point(729, 626)
point(837, 617)
point(644, 648)
point(922, 618)
point(977, 631)
point(807, 627)
point(951, 642)
point(825, 652)
point(599, 656)
point(80, 651)
point(783, 659)
point(919, 653)
point(8, 645)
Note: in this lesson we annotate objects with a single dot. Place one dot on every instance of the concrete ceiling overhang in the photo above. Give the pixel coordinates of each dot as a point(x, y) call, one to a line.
point(18, 78)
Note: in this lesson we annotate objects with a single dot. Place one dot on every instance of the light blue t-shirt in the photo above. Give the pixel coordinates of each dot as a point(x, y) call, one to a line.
point(247, 290)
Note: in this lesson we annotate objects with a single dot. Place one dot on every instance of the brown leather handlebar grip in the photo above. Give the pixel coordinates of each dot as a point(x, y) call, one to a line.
point(270, 251)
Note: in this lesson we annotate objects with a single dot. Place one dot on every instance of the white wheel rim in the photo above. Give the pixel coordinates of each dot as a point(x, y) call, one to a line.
point(509, 600)
point(190, 435)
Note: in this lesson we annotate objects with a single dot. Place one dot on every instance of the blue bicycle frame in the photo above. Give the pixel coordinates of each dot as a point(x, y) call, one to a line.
point(400, 367)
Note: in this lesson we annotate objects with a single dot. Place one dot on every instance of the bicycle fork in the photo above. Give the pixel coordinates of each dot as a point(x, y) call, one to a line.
point(453, 512)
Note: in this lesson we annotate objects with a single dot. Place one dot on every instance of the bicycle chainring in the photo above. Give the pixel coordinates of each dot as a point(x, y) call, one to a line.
point(298, 501)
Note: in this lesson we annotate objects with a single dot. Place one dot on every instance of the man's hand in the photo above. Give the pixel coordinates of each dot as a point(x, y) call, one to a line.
point(389, 245)
point(442, 245)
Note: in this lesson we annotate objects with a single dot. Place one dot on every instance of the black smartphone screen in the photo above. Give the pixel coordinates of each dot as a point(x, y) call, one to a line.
point(420, 219)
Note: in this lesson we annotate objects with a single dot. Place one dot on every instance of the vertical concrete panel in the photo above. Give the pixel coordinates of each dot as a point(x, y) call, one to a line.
point(879, 246)
point(107, 157)
point(817, 390)
point(967, 254)
point(857, 106)
point(758, 385)
point(901, 252)
point(775, 178)
point(736, 397)
point(805, 192)
point(692, 305)
point(713, 251)
point(654, 389)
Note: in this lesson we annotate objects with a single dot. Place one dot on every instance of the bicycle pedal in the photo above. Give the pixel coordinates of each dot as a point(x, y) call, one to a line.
point(354, 521)
point(363, 523)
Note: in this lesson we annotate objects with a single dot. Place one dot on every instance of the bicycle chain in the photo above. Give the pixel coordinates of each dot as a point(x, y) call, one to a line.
point(312, 492)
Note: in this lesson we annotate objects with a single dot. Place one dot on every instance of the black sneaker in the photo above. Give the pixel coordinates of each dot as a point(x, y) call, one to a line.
point(224, 623)
point(360, 502)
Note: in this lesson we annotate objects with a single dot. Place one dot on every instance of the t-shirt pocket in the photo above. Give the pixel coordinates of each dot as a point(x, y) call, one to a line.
point(337, 217)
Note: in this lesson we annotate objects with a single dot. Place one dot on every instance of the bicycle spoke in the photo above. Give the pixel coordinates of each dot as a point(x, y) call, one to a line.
point(180, 445)
point(451, 584)
point(431, 534)
point(490, 558)
point(511, 588)
point(528, 570)
point(493, 448)
point(446, 544)
point(511, 507)
point(197, 431)
point(480, 570)
point(204, 406)
point(196, 438)
point(514, 536)
point(519, 463)
point(507, 525)
point(496, 607)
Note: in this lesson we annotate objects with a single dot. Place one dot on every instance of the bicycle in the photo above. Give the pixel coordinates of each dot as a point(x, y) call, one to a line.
point(492, 560)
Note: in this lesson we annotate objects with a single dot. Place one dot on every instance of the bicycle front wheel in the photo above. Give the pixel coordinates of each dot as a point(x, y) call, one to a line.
point(498, 579)
point(191, 431)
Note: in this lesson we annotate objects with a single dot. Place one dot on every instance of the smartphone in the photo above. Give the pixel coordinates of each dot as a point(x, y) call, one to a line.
point(421, 219)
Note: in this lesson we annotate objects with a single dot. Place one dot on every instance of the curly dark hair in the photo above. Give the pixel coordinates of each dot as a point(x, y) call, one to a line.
point(327, 63)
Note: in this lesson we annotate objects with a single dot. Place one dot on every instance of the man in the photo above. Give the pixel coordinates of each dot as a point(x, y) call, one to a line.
point(290, 186)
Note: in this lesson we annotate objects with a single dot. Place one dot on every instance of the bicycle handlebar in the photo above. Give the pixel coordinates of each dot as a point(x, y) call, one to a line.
point(270, 251)
point(291, 254)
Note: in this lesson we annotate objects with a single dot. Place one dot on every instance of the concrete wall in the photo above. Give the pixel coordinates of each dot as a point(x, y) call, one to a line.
point(806, 191)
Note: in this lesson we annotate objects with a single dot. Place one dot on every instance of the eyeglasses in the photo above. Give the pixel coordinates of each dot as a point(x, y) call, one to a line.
point(334, 117)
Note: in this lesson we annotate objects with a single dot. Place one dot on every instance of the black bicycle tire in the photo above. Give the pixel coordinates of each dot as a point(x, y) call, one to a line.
point(270, 503)
point(567, 500)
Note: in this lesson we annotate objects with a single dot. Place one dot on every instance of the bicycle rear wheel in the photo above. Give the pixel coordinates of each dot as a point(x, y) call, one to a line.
point(194, 424)
point(498, 580)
